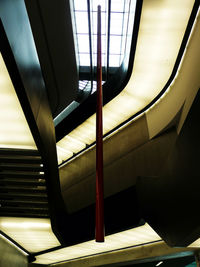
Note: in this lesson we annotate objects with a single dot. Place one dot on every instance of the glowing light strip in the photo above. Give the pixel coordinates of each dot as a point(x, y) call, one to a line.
point(133, 237)
point(179, 66)
point(14, 129)
point(33, 234)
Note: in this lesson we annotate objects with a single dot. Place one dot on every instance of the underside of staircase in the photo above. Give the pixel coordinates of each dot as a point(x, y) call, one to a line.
point(22, 184)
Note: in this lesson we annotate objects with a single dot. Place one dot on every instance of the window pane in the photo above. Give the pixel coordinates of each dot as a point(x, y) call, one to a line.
point(81, 22)
point(116, 23)
point(80, 4)
point(83, 43)
point(84, 59)
point(115, 44)
point(127, 5)
point(125, 22)
point(114, 60)
point(117, 5)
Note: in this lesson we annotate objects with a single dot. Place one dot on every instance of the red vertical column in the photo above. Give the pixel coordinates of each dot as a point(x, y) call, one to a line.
point(99, 141)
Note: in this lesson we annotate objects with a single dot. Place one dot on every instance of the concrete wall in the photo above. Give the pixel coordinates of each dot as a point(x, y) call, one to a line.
point(10, 256)
point(170, 203)
point(127, 154)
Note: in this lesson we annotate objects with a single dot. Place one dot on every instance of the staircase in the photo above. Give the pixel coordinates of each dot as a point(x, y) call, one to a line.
point(22, 184)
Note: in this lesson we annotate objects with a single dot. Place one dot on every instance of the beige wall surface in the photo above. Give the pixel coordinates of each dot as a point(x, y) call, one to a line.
point(10, 256)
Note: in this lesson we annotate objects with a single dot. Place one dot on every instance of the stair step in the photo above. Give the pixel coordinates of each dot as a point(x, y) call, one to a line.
point(25, 215)
point(24, 209)
point(22, 182)
point(23, 196)
point(20, 167)
point(34, 190)
point(19, 152)
point(20, 159)
point(23, 203)
point(25, 175)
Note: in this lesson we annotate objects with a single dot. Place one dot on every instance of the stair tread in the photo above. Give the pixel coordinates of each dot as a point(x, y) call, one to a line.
point(33, 209)
point(21, 189)
point(24, 167)
point(27, 215)
point(23, 182)
point(31, 193)
point(16, 164)
point(20, 159)
point(27, 180)
point(20, 196)
point(24, 152)
point(21, 174)
point(23, 202)
point(22, 185)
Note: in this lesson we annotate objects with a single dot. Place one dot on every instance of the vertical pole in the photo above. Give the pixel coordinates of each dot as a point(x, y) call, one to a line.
point(99, 142)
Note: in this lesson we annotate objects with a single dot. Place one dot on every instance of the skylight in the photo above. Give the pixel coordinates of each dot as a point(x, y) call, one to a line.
point(117, 18)
point(114, 17)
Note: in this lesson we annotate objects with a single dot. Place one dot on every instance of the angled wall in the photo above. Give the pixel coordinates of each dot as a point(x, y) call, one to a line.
point(11, 256)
